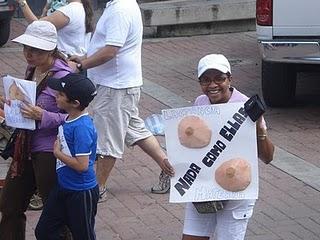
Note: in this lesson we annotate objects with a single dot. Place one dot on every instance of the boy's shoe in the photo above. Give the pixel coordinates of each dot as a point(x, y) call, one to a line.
point(102, 194)
point(163, 185)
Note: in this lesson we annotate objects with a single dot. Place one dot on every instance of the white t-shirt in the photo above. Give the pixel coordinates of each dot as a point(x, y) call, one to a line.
point(120, 25)
point(71, 38)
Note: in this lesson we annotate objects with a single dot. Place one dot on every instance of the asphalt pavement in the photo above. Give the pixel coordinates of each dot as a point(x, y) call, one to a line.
point(288, 207)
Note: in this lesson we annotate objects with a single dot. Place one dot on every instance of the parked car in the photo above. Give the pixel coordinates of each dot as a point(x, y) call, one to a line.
point(288, 34)
point(7, 9)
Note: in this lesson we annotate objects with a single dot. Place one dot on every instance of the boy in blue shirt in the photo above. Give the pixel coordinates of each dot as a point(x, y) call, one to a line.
point(73, 202)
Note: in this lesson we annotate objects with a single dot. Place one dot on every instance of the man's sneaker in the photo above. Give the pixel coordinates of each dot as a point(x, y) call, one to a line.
point(163, 185)
point(102, 195)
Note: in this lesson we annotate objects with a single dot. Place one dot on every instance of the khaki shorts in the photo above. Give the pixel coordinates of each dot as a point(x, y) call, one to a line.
point(116, 117)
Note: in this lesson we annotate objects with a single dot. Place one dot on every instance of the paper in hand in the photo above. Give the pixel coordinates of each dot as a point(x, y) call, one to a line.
point(18, 92)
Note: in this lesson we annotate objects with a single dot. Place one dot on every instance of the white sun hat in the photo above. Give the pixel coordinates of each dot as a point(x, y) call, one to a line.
point(39, 34)
point(213, 61)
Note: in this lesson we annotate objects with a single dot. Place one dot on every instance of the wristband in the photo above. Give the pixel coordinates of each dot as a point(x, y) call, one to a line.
point(262, 137)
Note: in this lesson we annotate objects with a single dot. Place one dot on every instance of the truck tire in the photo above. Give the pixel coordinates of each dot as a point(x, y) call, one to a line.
point(278, 84)
point(4, 31)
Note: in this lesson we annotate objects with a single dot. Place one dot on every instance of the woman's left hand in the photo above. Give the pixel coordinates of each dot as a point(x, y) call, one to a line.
point(31, 112)
point(3, 100)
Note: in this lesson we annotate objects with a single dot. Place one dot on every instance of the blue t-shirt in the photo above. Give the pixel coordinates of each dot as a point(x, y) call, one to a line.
point(78, 137)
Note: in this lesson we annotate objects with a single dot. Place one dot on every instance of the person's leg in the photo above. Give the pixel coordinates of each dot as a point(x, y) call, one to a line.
point(198, 226)
point(232, 221)
point(111, 119)
point(44, 165)
point(104, 166)
point(15, 197)
point(52, 218)
point(138, 134)
point(82, 208)
point(151, 146)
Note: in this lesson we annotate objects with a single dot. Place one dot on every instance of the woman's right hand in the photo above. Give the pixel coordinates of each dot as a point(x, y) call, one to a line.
point(2, 116)
point(3, 100)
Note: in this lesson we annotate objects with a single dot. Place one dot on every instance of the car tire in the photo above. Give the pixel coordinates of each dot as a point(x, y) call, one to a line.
point(4, 31)
point(278, 84)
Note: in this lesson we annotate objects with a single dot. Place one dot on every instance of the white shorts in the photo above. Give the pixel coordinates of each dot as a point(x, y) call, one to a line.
point(116, 118)
point(227, 224)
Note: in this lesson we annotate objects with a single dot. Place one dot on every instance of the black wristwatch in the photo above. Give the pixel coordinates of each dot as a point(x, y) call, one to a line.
point(79, 67)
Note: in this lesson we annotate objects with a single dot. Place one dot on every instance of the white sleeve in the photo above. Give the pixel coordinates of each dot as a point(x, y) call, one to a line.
point(67, 11)
point(117, 29)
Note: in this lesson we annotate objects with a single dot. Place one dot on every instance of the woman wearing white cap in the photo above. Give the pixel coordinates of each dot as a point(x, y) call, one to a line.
point(25, 175)
point(230, 220)
point(72, 21)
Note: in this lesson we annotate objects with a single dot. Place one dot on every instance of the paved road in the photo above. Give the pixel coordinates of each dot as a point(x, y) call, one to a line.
point(288, 205)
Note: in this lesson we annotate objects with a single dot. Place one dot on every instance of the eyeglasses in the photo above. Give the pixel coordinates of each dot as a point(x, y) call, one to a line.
point(217, 80)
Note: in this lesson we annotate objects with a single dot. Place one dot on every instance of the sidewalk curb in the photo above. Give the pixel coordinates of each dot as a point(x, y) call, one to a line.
point(297, 167)
point(197, 17)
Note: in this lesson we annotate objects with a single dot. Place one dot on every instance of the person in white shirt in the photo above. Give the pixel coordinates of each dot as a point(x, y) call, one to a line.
point(114, 65)
point(73, 21)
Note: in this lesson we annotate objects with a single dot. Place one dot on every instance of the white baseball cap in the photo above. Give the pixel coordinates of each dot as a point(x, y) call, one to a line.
point(213, 61)
point(39, 34)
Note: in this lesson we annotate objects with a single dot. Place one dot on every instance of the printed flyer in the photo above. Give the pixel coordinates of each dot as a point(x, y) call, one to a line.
point(19, 92)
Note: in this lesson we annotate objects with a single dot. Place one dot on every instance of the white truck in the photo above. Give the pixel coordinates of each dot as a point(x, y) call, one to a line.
point(288, 34)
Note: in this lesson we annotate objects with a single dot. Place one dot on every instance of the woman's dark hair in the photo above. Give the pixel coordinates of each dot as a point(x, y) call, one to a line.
point(59, 55)
point(89, 15)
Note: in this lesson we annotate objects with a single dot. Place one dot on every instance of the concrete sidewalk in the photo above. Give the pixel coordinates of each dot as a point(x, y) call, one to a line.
point(287, 209)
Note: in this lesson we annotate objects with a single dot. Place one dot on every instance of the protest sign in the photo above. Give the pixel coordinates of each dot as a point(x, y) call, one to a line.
point(19, 92)
point(213, 150)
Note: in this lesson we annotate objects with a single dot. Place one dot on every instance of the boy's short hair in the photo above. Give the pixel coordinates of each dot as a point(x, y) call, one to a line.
point(76, 86)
